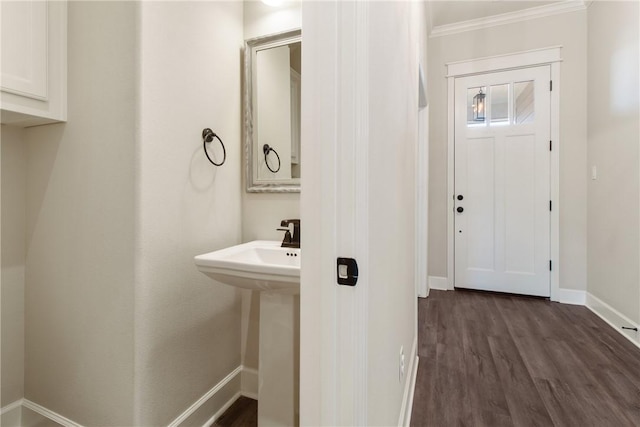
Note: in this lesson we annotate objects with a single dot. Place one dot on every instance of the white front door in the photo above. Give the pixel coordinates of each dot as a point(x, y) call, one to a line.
point(502, 188)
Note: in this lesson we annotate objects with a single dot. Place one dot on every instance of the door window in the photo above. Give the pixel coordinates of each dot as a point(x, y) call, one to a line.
point(503, 104)
point(523, 94)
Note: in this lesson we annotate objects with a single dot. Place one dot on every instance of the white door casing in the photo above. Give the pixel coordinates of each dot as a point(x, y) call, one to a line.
point(502, 166)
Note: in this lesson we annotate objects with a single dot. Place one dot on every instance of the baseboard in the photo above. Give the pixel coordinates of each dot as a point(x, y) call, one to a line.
point(410, 386)
point(614, 318)
point(39, 409)
point(11, 415)
point(66, 422)
point(220, 411)
point(438, 283)
point(571, 296)
point(248, 388)
point(215, 401)
point(249, 383)
point(11, 406)
point(241, 381)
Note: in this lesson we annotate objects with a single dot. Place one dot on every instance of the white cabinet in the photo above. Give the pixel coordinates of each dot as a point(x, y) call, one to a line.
point(33, 66)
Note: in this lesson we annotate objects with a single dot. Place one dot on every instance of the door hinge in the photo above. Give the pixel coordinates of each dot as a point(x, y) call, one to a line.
point(550, 145)
point(550, 205)
point(550, 266)
point(550, 85)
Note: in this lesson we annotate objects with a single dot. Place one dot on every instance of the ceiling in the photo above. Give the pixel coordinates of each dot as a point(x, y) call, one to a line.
point(453, 11)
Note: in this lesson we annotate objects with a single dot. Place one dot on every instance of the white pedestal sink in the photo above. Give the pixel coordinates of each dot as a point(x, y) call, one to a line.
point(265, 266)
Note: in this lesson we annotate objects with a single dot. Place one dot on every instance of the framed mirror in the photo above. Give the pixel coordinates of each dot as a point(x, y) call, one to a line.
point(272, 112)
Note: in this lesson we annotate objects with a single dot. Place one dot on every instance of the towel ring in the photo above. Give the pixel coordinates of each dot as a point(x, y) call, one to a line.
point(207, 136)
point(266, 149)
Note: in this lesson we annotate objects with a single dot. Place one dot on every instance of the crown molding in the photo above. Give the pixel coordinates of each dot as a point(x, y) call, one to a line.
point(508, 18)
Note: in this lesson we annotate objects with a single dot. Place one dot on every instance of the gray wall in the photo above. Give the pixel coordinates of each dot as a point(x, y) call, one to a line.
point(80, 228)
point(187, 326)
point(568, 30)
point(13, 202)
point(614, 140)
point(121, 328)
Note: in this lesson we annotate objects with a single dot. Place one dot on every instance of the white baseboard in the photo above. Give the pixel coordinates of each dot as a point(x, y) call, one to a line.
point(66, 422)
point(248, 388)
point(438, 283)
point(241, 381)
point(220, 411)
point(39, 409)
point(11, 415)
point(11, 406)
point(410, 386)
point(614, 318)
point(216, 400)
point(571, 296)
point(249, 383)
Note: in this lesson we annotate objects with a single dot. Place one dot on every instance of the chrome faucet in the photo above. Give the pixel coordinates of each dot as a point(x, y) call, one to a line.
point(291, 240)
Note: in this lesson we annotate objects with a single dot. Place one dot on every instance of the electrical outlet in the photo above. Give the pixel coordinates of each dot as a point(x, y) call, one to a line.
point(401, 365)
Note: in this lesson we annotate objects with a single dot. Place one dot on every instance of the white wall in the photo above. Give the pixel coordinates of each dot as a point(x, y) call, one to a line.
point(614, 139)
point(260, 19)
point(393, 135)
point(121, 329)
point(568, 30)
point(14, 181)
point(187, 327)
point(80, 228)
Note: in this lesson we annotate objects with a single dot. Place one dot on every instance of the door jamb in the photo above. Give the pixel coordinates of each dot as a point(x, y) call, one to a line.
point(532, 58)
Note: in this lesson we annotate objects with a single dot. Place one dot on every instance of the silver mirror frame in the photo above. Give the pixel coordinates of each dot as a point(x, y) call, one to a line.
point(251, 48)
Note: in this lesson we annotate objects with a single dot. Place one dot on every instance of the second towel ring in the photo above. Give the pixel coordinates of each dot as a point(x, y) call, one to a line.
point(266, 149)
point(207, 136)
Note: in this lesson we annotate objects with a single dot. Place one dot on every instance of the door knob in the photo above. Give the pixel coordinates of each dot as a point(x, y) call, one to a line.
point(460, 209)
point(460, 197)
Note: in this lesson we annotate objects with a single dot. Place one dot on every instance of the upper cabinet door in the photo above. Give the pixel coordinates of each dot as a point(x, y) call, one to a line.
point(24, 48)
point(33, 81)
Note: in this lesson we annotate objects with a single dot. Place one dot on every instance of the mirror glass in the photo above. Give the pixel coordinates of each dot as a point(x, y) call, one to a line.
point(272, 112)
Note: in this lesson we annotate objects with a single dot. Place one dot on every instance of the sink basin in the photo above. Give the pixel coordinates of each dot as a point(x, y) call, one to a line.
point(261, 265)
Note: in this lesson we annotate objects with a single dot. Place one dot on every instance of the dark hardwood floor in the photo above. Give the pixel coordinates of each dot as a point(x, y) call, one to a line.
point(243, 413)
point(501, 360)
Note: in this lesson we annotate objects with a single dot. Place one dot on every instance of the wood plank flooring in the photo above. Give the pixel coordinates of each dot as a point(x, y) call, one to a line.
point(501, 360)
point(243, 413)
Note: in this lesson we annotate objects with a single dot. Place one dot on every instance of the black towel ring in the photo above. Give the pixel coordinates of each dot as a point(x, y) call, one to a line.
point(266, 149)
point(207, 136)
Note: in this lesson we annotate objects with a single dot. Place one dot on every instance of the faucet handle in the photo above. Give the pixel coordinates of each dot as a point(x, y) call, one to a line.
point(286, 222)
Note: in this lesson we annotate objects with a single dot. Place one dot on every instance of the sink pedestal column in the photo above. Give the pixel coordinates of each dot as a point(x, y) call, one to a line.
point(279, 363)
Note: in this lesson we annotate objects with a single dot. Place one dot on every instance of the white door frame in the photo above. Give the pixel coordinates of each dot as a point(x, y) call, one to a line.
point(334, 319)
point(548, 56)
